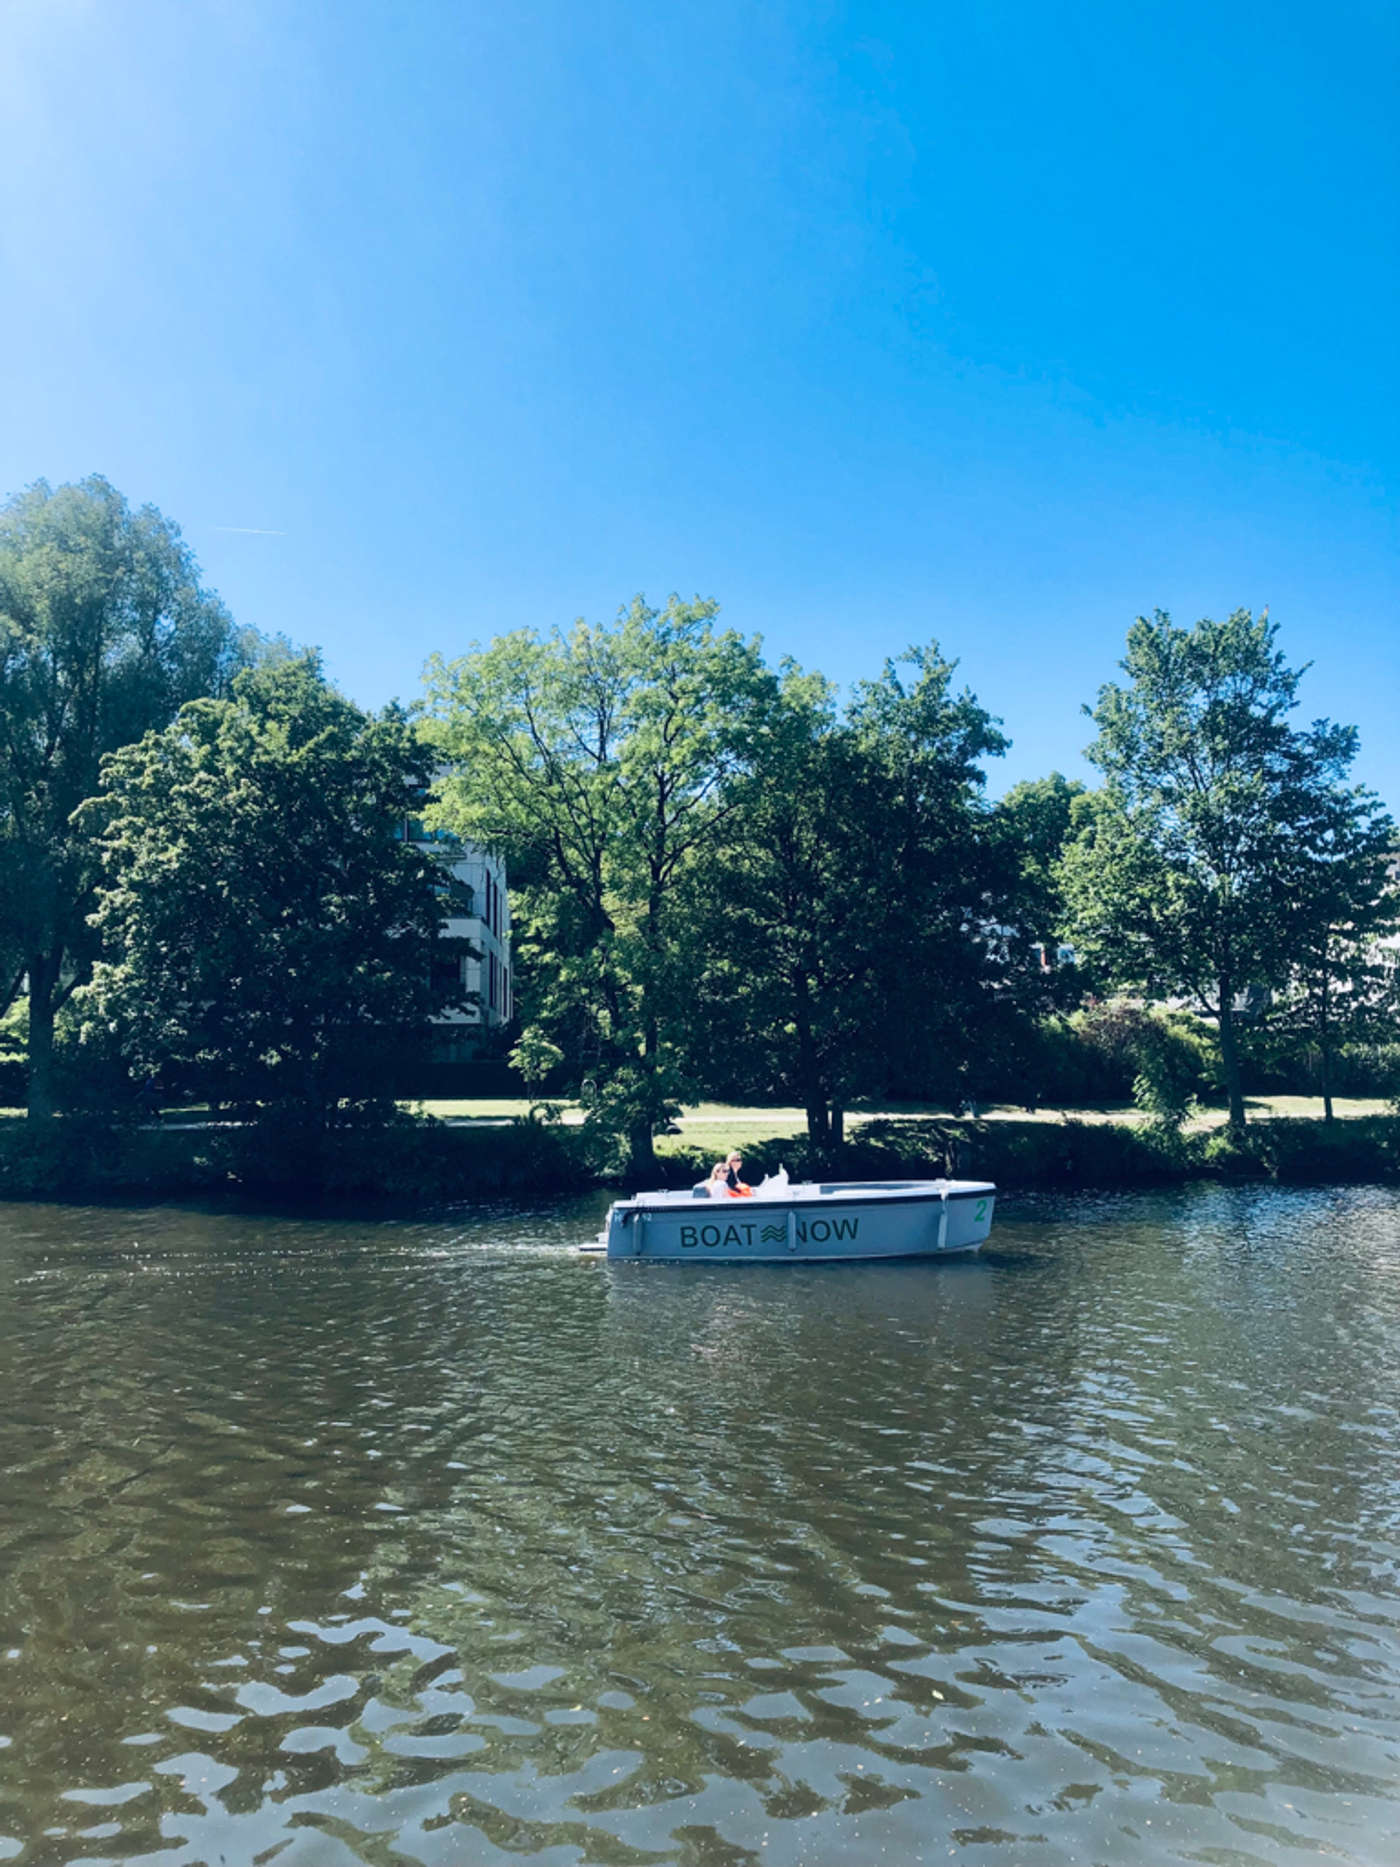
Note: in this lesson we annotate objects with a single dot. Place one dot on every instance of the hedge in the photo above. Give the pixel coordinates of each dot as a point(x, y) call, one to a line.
point(408, 1162)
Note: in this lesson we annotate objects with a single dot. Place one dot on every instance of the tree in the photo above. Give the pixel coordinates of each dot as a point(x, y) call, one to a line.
point(264, 922)
point(784, 933)
point(1344, 983)
point(854, 936)
point(603, 762)
point(1182, 879)
point(104, 634)
point(1037, 819)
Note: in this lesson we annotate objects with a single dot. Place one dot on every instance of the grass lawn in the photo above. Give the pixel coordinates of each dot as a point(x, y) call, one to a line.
point(727, 1125)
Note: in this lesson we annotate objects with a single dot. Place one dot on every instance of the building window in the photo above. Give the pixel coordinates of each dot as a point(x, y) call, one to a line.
point(459, 898)
point(446, 976)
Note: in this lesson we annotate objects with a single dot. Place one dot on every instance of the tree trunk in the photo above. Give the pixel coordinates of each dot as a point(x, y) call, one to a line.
point(814, 1097)
point(43, 982)
point(1325, 1047)
point(641, 1154)
point(641, 1134)
point(1230, 1057)
point(818, 1124)
point(838, 1125)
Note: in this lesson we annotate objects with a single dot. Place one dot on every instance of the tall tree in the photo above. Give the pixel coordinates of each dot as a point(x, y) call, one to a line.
point(855, 935)
point(1036, 817)
point(1182, 879)
point(784, 931)
point(264, 920)
point(604, 763)
point(1344, 978)
point(104, 634)
point(956, 960)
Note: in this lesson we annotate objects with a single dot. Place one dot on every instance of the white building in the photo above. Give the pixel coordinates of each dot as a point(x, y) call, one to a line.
point(478, 910)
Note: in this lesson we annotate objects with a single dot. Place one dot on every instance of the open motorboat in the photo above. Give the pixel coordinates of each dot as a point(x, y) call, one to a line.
point(803, 1223)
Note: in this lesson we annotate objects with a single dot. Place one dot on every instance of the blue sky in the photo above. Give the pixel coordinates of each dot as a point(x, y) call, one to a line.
point(1000, 323)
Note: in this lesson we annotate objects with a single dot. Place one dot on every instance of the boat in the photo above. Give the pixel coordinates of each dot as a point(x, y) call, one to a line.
point(803, 1222)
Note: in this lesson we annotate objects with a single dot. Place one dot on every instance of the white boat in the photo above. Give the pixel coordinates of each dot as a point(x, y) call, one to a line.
point(832, 1221)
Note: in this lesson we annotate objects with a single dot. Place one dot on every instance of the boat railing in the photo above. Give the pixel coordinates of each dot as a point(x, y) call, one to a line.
point(799, 1190)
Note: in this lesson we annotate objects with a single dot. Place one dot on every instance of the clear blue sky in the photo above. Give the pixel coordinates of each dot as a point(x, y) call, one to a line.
point(999, 323)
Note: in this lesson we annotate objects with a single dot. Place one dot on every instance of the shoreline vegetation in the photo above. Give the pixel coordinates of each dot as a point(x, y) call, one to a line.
point(494, 1151)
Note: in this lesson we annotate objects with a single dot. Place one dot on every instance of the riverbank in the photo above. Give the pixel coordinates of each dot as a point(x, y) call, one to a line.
point(1072, 1152)
point(424, 1162)
point(405, 1164)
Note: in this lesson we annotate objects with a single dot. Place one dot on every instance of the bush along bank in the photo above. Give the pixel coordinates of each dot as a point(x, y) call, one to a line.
point(1109, 1154)
point(404, 1163)
point(416, 1163)
point(1079, 1154)
point(1010, 1153)
point(1363, 1150)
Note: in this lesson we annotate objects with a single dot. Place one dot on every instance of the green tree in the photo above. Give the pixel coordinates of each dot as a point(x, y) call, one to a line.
point(604, 763)
point(265, 924)
point(783, 940)
point(1344, 977)
point(104, 634)
point(1182, 877)
point(1037, 819)
point(854, 936)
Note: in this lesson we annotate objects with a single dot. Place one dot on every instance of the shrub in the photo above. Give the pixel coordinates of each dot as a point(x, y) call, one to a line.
point(1306, 1152)
point(1322, 1153)
point(408, 1162)
point(1012, 1153)
point(1119, 1051)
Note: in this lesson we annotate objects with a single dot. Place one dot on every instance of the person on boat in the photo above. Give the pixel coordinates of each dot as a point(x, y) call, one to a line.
point(739, 1188)
point(717, 1186)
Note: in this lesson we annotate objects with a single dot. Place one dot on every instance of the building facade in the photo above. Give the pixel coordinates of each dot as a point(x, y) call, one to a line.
point(477, 905)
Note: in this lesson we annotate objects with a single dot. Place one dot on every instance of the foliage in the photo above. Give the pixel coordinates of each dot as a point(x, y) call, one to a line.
point(1368, 1068)
point(14, 1033)
point(1164, 1087)
point(1070, 1153)
point(409, 1163)
point(1036, 820)
point(264, 924)
point(104, 634)
point(1183, 876)
point(855, 935)
point(604, 763)
point(1344, 982)
point(1364, 1150)
point(1023, 1153)
point(1095, 1056)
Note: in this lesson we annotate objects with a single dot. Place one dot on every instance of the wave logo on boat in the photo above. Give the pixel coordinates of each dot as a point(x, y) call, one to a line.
point(773, 1234)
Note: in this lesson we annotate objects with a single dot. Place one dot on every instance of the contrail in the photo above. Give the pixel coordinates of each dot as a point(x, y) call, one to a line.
point(251, 531)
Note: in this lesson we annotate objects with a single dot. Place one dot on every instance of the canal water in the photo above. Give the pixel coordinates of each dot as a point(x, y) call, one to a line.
point(336, 1542)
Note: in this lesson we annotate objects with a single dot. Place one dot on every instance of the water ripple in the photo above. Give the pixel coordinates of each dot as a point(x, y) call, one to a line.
point(343, 1542)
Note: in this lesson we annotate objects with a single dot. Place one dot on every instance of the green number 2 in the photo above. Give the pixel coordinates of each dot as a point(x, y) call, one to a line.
point(980, 1213)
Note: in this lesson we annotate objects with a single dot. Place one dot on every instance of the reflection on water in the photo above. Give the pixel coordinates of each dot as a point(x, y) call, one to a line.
point(353, 1542)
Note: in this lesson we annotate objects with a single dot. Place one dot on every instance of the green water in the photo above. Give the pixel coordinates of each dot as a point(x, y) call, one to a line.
point(352, 1542)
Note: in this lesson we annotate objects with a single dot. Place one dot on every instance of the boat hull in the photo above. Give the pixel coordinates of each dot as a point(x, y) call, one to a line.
point(818, 1224)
